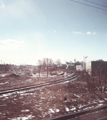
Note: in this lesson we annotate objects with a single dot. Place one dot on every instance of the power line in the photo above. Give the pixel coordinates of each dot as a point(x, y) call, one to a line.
point(96, 3)
point(88, 5)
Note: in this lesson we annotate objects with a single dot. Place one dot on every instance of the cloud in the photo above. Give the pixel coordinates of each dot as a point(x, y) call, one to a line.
point(79, 33)
point(10, 41)
point(21, 52)
point(94, 33)
point(54, 31)
point(22, 9)
point(88, 33)
point(11, 51)
point(2, 5)
point(10, 44)
point(91, 33)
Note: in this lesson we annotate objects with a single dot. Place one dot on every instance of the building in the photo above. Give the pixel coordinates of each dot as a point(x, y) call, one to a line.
point(63, 66)
point(70, 66)
point(79, 67)
point(96, 67)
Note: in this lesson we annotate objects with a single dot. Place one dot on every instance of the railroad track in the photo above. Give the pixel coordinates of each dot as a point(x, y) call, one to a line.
point(99, 113)
point(104, 118)
point(70, 78)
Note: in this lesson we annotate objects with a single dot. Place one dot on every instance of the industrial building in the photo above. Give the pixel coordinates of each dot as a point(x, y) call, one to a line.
point(70, 66)
point(96, 67)
point(79, 67)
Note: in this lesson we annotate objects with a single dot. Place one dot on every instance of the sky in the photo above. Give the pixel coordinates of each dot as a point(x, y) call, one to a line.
point(58, 29)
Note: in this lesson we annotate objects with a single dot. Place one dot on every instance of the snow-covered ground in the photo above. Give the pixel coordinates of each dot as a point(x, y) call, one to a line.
point(4, 74)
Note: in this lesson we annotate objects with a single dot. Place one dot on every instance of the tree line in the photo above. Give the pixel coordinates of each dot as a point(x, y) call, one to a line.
point(48, 65)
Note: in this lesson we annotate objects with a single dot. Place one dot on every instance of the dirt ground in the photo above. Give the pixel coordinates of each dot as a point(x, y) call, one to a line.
point(11, 80)
point(48, 102)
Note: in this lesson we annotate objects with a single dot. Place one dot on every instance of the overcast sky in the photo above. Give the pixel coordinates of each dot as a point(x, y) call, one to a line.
point(57, 29)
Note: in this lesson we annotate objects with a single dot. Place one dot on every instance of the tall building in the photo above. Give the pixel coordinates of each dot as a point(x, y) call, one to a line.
point(96, 67)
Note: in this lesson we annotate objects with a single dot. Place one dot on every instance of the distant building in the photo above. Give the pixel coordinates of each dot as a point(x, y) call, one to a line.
point(5, 67)
point(54, 66)
point(96, 67)
point(63, 66)
point(70, 66)
point(79, 67)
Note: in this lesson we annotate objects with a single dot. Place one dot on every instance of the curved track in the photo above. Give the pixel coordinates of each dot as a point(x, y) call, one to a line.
point(99, 113)
point(70, 78)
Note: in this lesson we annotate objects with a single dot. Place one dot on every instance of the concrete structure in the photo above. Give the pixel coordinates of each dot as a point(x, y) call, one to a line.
point(96, 67)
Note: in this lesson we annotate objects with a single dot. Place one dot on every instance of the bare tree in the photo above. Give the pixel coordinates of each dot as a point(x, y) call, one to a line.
point(96, 83)
point(40, 64)
point(47, 63)
point(44, 63)
point(50, 65)
point(50, 62)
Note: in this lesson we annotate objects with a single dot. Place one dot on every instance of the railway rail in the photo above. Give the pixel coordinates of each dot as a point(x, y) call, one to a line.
point(70, 78)
point(104, 118)
point(99, 113)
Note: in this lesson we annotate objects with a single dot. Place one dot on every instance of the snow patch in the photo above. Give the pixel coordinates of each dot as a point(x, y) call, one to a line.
point(52, 111)
point(25, 110)
point(99, 105)
point(4, 83)
point(77, 95)
point(100, 101)
point(67, 109)
point(105, 98)
point(57, 110)
point(73, 108)
point(23, 118)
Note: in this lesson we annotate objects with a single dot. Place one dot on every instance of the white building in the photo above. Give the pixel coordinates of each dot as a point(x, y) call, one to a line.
point(88, 67)
point(79, 67)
